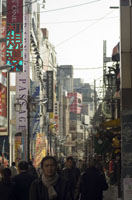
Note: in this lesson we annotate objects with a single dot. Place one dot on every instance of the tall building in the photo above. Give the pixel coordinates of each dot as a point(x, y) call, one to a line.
point(65, 77)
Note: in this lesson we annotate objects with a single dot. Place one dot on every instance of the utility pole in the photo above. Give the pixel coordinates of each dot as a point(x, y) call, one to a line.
point(126, 96)
point(104, 66)
point(28, 121)
point(95, 95)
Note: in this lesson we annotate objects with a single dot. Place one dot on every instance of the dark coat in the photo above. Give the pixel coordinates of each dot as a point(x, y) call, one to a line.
point(92, 184)
point(39, 192)
point(72, 175)
point(7, 190)
point(23, 182)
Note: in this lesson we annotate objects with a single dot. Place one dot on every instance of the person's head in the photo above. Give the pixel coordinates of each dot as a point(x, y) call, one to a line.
point(70, 162)
point(92, 163)
point(23, 166)
point(13, 164)
point(49, 166)
point(30, 163)
point(6, 173)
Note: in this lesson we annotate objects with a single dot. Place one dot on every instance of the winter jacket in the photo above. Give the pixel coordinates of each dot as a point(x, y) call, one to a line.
point(92, 184)
point(40, 192)
point(23, 182)
point(72, 175)
point(7, 190)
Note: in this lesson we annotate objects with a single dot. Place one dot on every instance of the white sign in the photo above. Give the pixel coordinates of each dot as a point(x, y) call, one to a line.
point(22, 78)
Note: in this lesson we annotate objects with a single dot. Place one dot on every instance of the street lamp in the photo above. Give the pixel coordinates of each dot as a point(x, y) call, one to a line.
point(30, 106)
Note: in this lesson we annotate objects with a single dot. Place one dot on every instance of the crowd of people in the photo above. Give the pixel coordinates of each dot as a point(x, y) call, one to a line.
point(53, 181)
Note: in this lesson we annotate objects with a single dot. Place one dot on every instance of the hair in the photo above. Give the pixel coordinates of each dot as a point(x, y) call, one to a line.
point(92, 163)
point(6, 172)
point(48, 158)
point(70, 158)
point(23, 165)
point(13, 164)
point(30, 163)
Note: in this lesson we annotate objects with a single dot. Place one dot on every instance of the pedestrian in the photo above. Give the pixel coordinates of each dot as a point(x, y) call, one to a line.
point(13, 169)
point(71, 173)
point(32, 170)
point(7, 187)
point(50, 185)
point(23, 181)
point(92, 184)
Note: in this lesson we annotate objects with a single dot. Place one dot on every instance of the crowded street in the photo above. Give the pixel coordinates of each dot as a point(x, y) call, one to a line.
point(65, 100)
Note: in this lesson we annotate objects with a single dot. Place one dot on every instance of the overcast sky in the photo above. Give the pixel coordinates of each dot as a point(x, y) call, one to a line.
point(77, 30)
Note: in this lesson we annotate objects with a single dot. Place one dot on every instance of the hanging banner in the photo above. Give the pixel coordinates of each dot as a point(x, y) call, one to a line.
point(14, 35)
point(22, 80)
point(50, 103)
point(3, 79)
point(14, 11)
point(40, 149)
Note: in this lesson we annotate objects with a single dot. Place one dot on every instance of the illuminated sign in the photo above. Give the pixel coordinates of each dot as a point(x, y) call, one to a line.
point(14, 35)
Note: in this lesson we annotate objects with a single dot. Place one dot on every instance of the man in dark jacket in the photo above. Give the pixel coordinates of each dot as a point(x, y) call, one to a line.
point(92, 183)
point(50, 185)
point(23, 181)
point(31, 169)
point(71, 173)
point(7, 187)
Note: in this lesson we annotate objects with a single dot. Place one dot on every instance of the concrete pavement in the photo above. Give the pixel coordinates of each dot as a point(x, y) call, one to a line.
point(111, 193)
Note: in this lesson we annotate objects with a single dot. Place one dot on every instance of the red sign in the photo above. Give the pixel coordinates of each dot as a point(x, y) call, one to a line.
point(14, 11)
point(3, 44)
point(3, 100)
point(14, 48)
point(3, 88)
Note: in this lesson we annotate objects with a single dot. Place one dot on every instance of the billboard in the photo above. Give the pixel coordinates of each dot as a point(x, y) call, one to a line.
point(14, 35)
point(50, 91)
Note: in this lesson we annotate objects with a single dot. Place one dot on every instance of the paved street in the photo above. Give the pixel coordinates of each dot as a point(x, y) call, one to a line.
point(111, 193)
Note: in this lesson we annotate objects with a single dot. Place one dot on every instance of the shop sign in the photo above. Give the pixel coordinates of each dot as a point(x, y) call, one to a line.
point(50, 91)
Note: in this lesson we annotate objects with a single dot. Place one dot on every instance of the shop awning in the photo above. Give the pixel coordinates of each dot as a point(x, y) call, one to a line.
point(111, 123)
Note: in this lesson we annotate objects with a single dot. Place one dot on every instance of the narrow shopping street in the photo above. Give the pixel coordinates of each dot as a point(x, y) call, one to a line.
point(66, 99)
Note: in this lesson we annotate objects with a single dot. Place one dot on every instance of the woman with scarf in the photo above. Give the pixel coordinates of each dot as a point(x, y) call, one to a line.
point(50, 186)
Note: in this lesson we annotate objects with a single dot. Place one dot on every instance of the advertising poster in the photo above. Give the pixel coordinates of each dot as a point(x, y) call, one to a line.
point(40, 149)
point(4, 149)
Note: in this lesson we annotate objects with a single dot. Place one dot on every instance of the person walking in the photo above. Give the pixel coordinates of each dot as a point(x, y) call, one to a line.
point(50, 185)
point(32, 170)
point(13, 170)
point(7, 187)
point(71, 173)
point(92, 184)
point(23, 181)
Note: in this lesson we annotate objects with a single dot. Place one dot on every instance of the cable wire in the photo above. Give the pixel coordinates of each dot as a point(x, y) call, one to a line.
point(53, 10)
point(77, 21)
point(84, 29)
point(68, 7)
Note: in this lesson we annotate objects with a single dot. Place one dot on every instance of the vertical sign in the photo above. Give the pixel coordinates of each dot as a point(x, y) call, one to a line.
point(3, 78)
point(22, 82)
point(50, 91)
point(14, 35)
